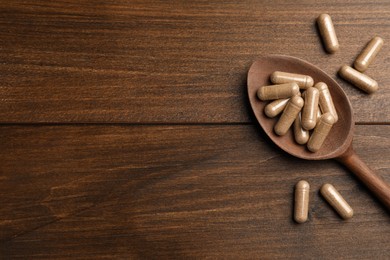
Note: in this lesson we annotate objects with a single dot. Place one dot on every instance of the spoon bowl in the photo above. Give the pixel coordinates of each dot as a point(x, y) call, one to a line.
point(338, 144)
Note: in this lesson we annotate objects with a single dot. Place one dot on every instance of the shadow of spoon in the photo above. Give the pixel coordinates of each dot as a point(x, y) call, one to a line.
point(338, 145)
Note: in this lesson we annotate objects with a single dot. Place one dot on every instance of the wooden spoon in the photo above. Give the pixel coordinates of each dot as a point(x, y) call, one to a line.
point(338, 144)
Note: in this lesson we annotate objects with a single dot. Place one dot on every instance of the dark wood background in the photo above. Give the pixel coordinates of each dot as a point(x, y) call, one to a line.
point(126, 131)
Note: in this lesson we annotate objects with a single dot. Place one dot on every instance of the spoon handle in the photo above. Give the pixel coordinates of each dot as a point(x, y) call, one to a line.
point(373, 182)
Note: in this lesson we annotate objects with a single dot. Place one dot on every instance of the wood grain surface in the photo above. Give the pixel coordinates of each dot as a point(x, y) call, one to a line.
point(179, 192)
point(170, 61)
point(126, 131)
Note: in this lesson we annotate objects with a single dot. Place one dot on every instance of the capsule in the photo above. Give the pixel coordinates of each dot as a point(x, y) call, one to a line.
point(278, 91)
point(328, 33)
point(320, 132)
point(303, 81)
point(301, 201)
point(358, 79)
point(275, 107)
point(289, 114)
point(368, 54)
point(325, 101)
point(309, 111)
point(334, 198)
point(301, 135)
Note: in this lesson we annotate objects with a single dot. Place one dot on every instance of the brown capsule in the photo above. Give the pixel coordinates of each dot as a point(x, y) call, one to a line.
point(334, 198)
point(328, 33)
point(325, 101)
point(309, 111)
point(275, 107)
point(368, 54)
point(303, 81)
point(289, 114)
point(278, 91)
point(358, 79)
point(301, 201)
point(301, 135)
point(320, 132)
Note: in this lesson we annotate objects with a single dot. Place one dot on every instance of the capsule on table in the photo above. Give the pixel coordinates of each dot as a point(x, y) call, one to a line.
point(325, 100)
point(309, 111)
point(328, 33)
point(358, 79)
point(289, 114)
point(301, 135)
point(303, 81)
point(320, 132)
point(334, 198)
point(368, 54)
point(301, 201)
point(278, 91)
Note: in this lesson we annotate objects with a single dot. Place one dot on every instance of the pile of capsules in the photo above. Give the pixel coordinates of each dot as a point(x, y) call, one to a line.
point(303, 110)
point(353, 75)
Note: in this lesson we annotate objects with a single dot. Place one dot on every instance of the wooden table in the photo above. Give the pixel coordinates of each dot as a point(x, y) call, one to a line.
point(126, 131)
